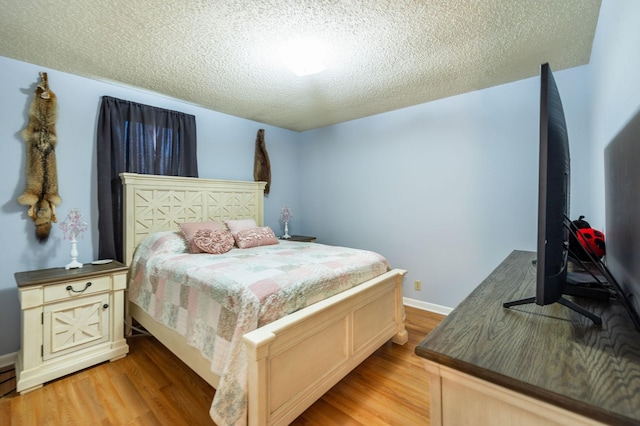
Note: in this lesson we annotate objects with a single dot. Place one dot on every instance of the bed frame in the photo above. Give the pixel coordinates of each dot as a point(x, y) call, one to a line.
point(292, 361)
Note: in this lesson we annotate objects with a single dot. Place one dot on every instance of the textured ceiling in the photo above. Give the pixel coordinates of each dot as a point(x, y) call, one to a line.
point(222, 55)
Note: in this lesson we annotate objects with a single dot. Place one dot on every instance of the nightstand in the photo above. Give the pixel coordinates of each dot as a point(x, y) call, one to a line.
point(71, 319)
point(300, 238)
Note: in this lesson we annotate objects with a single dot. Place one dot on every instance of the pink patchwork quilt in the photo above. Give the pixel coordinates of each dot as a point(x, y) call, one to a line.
point(213, 300)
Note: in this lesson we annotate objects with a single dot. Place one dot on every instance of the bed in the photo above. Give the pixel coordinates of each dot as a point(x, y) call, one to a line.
point(294, 360)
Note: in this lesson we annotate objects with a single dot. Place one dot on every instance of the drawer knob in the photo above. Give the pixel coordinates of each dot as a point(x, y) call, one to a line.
point(105, 306)
point(86, 286)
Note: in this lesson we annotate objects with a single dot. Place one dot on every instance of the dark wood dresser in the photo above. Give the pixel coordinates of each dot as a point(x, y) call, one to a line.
point(531, 364)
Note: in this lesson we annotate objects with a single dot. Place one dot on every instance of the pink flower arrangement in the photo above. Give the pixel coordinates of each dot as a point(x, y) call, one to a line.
point(286, 214)
point(72, 227)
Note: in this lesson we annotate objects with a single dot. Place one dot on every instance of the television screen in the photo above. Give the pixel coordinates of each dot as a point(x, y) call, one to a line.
point(553, 193)
point(553, 201)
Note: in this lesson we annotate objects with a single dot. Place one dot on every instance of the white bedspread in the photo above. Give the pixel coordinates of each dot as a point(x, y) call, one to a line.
point(213, 300)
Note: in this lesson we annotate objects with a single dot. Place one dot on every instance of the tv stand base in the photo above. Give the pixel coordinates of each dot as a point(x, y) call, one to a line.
point(579, 309)
point(587, 291)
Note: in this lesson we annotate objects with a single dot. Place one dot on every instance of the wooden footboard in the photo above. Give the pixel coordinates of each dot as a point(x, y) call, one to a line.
point(293, 361)
point(296, 359)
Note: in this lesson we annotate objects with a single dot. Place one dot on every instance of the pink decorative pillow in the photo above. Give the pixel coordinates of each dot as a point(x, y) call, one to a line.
point(254, 237)
point(214, 242)
point(240, 224)
point(189, 230)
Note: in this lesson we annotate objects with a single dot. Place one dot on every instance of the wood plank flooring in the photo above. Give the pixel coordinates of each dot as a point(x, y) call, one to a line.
point(150, 386)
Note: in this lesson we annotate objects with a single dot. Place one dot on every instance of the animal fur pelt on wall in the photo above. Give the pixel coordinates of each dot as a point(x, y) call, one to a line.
point(261, 164)
point(41, 192)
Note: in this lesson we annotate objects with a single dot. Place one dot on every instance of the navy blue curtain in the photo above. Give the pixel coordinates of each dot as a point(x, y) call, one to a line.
point(137, 138)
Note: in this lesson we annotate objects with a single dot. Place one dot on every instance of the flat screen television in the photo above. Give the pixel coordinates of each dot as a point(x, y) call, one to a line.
point(619, 277)
point(554, 181)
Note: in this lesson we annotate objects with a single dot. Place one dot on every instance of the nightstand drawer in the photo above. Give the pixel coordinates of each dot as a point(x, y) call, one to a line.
point(76, 288)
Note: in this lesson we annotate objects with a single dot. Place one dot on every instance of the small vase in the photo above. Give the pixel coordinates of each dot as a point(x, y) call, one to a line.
point(74, 256)
point(286, 235)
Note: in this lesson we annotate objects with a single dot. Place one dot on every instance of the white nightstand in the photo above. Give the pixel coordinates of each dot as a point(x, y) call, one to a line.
point(71, 319)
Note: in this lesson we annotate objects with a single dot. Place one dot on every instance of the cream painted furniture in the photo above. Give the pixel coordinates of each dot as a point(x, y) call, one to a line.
point(292, 361)
point(531, 365)
point(71, 319)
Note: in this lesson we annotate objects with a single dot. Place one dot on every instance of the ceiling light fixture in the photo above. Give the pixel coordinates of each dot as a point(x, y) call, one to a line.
point(304, 57)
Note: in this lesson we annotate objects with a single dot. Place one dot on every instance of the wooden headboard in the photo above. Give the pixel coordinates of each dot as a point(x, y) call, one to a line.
point(159, 203)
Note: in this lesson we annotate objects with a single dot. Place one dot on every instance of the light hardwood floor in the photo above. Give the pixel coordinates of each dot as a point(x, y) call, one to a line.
point(150, 386)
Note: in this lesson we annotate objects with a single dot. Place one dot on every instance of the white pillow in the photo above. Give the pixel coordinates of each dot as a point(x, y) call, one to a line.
point(240, 224)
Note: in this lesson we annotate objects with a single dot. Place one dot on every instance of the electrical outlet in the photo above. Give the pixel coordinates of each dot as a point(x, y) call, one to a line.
point(417, 285)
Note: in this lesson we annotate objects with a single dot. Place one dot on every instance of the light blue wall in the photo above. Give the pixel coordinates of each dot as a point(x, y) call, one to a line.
point(614, 84)
point(445, 189)
point(225, 150)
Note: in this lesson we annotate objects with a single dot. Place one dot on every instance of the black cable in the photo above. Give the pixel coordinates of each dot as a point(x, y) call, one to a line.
point(142, 331)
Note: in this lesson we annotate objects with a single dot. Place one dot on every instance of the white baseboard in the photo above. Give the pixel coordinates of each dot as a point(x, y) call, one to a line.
point(8, 359)
point(426, 306)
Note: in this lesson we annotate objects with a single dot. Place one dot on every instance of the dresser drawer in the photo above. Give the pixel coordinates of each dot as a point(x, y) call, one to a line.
point(71, 289)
